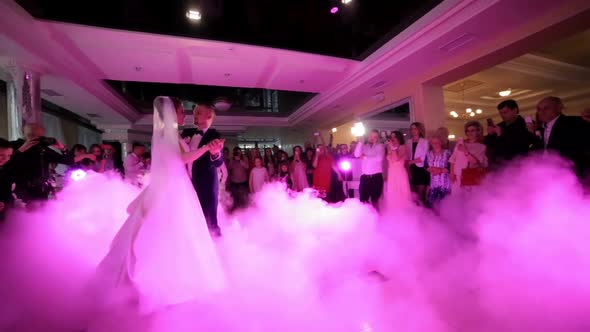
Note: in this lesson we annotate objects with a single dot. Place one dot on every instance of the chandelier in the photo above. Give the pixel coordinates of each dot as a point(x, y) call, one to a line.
point(469, 113)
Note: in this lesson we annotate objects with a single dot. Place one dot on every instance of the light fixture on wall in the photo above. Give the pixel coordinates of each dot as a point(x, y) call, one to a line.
point(505, 93)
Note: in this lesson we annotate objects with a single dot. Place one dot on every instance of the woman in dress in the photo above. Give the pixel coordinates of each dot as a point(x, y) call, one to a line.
point(397, 188)
point(298, 169)
point(417, 148)
point(163, 251)
point(322, 174)
point(468, 153)
point(437, 164)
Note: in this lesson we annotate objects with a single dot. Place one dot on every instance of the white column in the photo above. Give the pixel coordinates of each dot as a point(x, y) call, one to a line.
point(24, 99)
point(428, 107)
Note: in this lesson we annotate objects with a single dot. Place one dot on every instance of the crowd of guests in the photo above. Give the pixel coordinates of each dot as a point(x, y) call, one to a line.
point(397, 170)
point(30, 166)
point(392, 170)
point(312, 166)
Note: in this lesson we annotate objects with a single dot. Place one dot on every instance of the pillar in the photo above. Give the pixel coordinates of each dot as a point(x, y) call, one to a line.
point(428, 106)
point(24, 99)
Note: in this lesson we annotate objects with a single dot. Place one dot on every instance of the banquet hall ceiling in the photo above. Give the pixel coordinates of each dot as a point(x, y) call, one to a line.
point(356, 29)
point(112, 73)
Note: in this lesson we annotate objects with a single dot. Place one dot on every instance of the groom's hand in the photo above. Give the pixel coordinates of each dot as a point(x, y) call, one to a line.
point(216, 146)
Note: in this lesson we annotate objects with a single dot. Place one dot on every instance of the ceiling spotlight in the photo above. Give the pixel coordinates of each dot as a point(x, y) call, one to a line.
point(334, 10)
point(455, 115)
point(471, 114)
point(346, 1)
point(468, 110)
point(505, 93)
point(478, 111)
point(193, 15)
point(451, 136)
point(334, 130)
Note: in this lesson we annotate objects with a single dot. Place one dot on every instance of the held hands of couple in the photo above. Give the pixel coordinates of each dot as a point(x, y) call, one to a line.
point(216, 146)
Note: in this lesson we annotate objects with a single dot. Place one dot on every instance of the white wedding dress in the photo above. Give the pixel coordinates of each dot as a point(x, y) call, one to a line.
point(163, 251)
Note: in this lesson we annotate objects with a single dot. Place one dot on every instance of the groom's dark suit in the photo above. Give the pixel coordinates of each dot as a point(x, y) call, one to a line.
point(204, 176)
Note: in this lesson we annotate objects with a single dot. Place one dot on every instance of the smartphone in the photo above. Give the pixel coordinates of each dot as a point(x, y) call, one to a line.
point(528, 119)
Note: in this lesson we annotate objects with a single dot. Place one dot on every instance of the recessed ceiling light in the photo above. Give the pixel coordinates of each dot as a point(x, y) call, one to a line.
point(505, 93)
point(478, 111)
point(471, 114)
point(468, 110)
point(451, 136)
point(346, 1)
point(193, 15)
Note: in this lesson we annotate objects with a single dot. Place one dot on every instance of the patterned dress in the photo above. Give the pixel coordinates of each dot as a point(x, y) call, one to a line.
point(440, 185)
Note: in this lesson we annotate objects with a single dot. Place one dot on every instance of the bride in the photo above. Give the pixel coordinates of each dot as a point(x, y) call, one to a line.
point(163, 251)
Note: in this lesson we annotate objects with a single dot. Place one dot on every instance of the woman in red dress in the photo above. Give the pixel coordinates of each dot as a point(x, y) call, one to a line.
point(322, 175)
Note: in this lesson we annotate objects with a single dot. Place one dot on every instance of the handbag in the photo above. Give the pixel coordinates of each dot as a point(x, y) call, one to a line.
point(472, 176)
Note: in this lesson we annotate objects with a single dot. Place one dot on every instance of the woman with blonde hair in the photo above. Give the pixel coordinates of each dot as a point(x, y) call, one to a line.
point(469, 153)
point(417, 148)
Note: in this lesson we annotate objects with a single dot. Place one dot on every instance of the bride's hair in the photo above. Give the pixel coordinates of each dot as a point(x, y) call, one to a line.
point(177, 103)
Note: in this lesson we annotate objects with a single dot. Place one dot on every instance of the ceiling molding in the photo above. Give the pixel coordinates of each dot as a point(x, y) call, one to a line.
point(439, 21)
point(40, 39)
point(539, 66)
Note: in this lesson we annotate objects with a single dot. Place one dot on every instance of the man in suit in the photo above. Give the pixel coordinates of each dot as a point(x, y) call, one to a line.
point(510, 138)
point(567, 135)
point(204, 170)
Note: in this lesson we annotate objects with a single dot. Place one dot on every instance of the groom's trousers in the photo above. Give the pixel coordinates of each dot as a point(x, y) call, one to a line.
point(209, 200)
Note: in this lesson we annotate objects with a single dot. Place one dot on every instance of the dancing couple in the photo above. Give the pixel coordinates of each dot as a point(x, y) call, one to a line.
point(164, 251)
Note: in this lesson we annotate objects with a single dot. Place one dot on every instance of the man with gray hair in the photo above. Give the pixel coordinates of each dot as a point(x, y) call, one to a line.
point(569, 136)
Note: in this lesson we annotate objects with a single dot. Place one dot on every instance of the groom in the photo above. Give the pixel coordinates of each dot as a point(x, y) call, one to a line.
point(204, 169)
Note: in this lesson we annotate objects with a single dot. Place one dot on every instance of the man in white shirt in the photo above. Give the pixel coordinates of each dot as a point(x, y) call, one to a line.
point(371, 155)
point(134, 165)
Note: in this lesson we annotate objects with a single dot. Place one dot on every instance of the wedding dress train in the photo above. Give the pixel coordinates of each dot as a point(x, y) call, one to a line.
point(163, 251)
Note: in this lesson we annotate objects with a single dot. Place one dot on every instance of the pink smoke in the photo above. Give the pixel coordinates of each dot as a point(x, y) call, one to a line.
point(511, 257)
